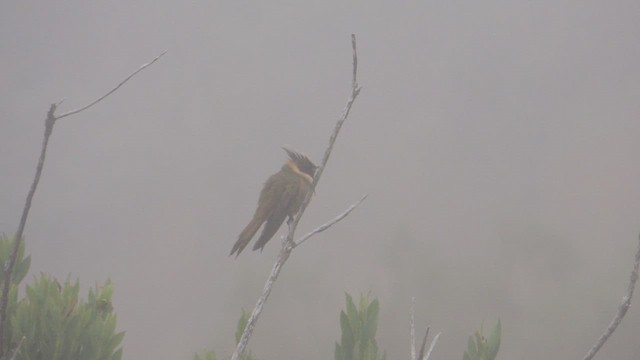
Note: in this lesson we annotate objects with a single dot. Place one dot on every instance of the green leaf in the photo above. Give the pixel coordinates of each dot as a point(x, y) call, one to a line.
point(58, 325)
point(363, 306)
point(356, 352)
point(352, 312)
point(337, 354)
point(116, 340)
point(21, 270)
point(359, 326)
point(482, 345)
point(493, 343)
point(472, 351)
point(242, 323)
point(347, 340)
point(371, 322)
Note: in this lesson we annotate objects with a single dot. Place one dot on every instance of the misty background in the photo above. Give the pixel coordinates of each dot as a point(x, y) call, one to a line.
point(497, 141)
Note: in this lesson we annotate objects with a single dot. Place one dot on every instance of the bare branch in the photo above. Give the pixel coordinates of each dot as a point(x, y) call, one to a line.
point(412, 329)
point(421, 354)
point(112, 90)
point(251, 323)
point(8, 272)
point(355, 90)
point(288, 243)
point(433, 345)
point(49, 123)
point(622, 310)
point(329, 224)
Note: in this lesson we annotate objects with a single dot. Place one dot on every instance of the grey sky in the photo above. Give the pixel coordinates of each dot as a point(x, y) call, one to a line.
point(497, 141)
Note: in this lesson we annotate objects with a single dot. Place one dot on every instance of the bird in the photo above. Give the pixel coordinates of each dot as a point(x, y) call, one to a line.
point(281, 197)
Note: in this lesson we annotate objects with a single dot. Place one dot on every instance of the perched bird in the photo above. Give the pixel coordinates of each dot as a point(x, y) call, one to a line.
point(281, 196)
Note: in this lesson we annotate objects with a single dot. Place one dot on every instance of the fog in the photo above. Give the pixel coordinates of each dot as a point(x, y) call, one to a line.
point(497, 141)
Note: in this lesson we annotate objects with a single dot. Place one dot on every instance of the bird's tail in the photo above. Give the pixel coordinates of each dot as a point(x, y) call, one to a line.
point(246, 235)
point(270, 228)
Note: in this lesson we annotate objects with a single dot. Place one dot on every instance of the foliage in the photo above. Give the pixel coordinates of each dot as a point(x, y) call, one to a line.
point(20, 270)
point(51, 322)
point(242, 323)
point(54, 324)
point(22, 264)
point(208, 355)
point(483, 348)
point(359, 326)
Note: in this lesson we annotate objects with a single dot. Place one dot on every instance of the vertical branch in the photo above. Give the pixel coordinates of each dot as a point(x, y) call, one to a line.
point(6, 284)
point(412, 329)
point(266, 291)
point(421, 355)
point(355, 90)
point(288, 244)
point(622, 310)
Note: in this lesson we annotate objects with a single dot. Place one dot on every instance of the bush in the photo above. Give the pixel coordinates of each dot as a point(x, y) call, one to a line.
point(359, 326)
point(52, 323)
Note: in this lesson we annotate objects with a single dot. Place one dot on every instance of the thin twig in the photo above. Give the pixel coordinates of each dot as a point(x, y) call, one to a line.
point(288, 244)
point(622, 310)
point(114, 89)
point(421, 354)
point(49, 123)
point(433, 345)
point(412, 329)
point(355, 90)
point(329, 224)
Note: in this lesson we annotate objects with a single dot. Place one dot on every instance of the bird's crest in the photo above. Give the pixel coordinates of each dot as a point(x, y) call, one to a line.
point(304, 163)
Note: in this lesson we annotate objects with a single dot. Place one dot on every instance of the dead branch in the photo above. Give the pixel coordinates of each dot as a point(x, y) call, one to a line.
point(419, 355)
point(622, 310)
point(329, 224)
point(288, 243)
point(48, 129)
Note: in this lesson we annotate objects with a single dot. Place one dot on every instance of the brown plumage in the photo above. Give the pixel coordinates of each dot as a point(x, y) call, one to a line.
point(281, 197)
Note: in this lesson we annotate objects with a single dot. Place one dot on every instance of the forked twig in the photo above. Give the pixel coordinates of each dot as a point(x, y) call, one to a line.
point(412, 329)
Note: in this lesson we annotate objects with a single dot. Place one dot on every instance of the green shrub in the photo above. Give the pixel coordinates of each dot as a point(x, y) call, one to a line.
point(483, 348)
point(359, 326)
point(51, 322)
point(208, 355)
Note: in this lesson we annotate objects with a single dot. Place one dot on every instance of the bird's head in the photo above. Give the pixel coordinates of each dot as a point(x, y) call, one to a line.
point(302, 161)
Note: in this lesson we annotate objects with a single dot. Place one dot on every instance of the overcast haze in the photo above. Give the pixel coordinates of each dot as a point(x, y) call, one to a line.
point(497, 140)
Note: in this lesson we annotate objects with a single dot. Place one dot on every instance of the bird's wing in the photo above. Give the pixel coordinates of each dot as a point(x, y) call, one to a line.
point(286, 199)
